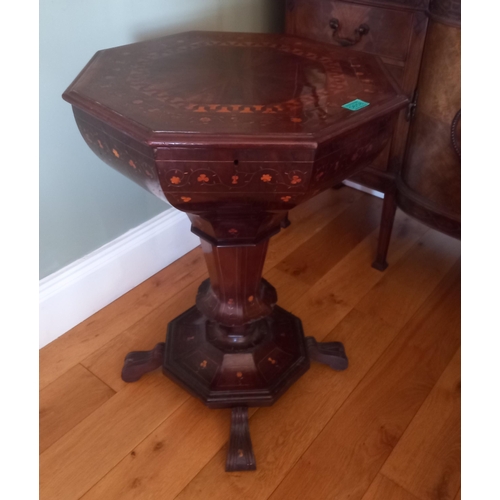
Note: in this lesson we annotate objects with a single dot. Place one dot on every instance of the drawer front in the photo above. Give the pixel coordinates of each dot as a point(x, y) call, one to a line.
point(389, 31)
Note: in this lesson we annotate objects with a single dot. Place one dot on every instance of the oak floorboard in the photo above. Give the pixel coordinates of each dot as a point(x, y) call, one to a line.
point(107, 362)
point(67, 401)
point(162, 464)
point(409, 279)
point(311, 260)
point(335, 294)
point(459, 495)
point(383, 488)
point(426, 460)
point(309, 218)
point(347, 454)
point(74, 463)
point(353, 277)
point(75, 345)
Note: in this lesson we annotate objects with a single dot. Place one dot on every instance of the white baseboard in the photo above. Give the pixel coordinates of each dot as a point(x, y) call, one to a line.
point(359, 187)
point(77, 291)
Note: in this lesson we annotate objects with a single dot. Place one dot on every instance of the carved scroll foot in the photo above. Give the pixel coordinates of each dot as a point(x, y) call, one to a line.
point(137, 363)
point(328, 353)
point(240, 454)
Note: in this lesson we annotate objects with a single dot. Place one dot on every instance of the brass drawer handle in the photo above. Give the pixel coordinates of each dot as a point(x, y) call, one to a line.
point(363, 29)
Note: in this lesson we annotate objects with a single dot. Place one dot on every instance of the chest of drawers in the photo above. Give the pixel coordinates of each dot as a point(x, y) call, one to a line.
point(392, 29)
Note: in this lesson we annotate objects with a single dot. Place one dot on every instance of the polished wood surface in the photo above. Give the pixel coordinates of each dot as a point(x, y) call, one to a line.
point(205, 83)
point(152, 440)
point(67, 401)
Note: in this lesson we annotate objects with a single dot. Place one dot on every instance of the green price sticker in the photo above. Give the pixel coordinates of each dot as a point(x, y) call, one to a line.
point(356, 104)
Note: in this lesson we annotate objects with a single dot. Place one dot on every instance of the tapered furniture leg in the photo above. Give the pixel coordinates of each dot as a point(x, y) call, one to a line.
point(137, 363)
point(328, 353)
point(240, 454)
point(386, 223)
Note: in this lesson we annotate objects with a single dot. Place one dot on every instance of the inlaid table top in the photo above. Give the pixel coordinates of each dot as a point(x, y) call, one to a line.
point(232, 84)
point(247, 120)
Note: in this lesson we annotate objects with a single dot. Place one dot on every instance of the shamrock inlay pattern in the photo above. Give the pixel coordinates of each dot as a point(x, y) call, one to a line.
point(203, 178)
point(266, 178)
point(296, 179)
point(175, 180)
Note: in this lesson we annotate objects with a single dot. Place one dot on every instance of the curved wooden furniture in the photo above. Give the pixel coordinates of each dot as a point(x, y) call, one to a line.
point(235, 130)
point(428, 186)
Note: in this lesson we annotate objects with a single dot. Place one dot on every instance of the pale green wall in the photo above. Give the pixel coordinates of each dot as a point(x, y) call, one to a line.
point(84, 203)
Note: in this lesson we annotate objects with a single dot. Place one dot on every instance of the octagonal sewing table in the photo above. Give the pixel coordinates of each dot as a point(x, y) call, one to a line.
point(235, 130)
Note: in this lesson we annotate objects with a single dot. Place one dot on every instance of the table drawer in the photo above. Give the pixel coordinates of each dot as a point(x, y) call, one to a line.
point(389, 31)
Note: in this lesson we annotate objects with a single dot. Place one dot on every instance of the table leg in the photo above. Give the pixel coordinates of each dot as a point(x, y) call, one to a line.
point(386, 223)
point(240, 453)
point(137, 363)
point(328, 353)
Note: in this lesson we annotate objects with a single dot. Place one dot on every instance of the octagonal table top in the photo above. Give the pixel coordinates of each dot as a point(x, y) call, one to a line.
point(210, 84)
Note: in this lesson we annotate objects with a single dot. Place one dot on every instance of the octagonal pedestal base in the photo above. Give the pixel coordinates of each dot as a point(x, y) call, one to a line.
point(254, 373)
point(232, 375)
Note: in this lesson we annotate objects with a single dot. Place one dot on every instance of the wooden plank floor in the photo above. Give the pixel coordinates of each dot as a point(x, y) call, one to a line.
point(388, 428)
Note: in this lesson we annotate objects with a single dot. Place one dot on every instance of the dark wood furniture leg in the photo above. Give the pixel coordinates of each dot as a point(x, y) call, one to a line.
point(328, 353)
point(240, 453)
point(137, 363)
point(386, 223)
